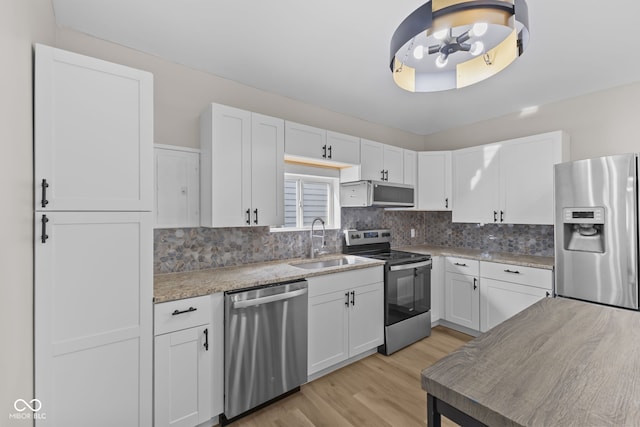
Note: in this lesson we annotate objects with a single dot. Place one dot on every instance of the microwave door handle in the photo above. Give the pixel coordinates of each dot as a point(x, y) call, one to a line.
point(409, 266)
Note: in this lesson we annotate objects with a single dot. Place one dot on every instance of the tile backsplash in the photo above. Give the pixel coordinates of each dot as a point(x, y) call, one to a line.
point(187, 249)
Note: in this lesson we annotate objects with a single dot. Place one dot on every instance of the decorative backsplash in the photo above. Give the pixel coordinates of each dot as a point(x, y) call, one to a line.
point(187, 249)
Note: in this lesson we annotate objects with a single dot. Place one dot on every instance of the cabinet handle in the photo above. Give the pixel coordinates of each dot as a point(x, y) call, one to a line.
point(324, 151)
point(206, 339)
point(346, 301)
point(512, 271)
point(501, 216)
point(248, 216)
point(459, 265)
point(382, 173)
point(446, 203)
point(475, 281)
point(353, 297)
point(44, 200)
point(188, 310)
point(330, 147)
point(44, 236)
point(495, 216)
point(386, 175)
point(256, 213)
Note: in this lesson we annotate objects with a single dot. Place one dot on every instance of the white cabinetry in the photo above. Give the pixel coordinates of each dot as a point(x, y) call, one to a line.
point(346, 316)
point(508, 182)
point(242, 168)
point(188, 348)
point(434, 181)
point(381, 162)
point(462, 293)
point(437, 288)
point(506, 290)
point(312, 143)
point(93, 247)
point(177, 187)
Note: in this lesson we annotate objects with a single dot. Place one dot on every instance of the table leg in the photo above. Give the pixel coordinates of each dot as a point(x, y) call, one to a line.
point(433, 416)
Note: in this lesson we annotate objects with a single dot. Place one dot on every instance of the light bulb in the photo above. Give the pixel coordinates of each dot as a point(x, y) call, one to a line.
point(479, 29)
point(441, 34)
point(476, 48)
point(441, 61)
point(418, 52)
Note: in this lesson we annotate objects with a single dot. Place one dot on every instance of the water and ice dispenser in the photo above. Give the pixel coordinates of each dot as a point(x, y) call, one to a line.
point(584, 229)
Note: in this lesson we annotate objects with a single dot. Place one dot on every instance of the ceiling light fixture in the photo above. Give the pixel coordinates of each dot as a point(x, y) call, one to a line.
point(449, 44)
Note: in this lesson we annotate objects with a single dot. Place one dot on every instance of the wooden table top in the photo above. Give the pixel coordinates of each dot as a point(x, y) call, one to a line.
point(558, 363)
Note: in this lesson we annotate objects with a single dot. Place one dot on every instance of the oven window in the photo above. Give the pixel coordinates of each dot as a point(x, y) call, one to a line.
point(408, 294)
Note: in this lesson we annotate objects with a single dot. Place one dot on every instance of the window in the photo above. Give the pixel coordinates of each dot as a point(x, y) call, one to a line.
point(307, 197)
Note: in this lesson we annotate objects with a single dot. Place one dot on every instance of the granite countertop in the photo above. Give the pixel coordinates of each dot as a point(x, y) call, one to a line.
point(476, 254)
point(174, 286)
point(560, 362)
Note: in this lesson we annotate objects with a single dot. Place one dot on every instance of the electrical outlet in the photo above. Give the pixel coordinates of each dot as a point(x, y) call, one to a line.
point(413, 232)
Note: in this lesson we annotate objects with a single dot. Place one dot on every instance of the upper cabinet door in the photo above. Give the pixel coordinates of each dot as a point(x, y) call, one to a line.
point(393, 164)
point(476, 174)
point(225, 174)
point(343, 148)
point(93, 134)
point(434, 177)
point(411, 169)
point(305, 141)
point(177, 187)
point(267, 170)
point(372, 160)
point(526, 177)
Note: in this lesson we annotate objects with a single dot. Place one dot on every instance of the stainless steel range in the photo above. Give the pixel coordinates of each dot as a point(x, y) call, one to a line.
point(407, 287)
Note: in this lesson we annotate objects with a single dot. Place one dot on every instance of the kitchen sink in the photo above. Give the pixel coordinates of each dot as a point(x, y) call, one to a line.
point(345, 260)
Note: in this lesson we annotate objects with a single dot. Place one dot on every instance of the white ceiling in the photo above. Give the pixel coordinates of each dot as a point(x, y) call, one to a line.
point(335, 53)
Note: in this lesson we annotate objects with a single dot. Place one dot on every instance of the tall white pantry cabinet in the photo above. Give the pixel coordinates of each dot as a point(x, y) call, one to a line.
point(93, 171)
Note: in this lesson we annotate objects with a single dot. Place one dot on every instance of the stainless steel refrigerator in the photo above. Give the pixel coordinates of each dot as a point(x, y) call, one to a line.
point(596, 230)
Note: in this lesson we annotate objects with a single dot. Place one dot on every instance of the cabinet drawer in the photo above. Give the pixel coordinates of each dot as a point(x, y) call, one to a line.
point(462, 266)
point(320, 285)
point(181, 314)
point(538, 277)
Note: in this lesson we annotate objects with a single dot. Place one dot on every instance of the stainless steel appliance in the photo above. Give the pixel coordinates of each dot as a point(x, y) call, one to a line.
point(596, 230)
point(407, 287)
point(265, 354)
point(375, 193)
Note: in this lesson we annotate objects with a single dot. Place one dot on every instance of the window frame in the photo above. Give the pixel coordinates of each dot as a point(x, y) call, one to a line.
point(333, 205)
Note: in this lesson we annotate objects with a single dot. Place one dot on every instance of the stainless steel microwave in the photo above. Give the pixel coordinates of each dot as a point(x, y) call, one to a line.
point(376, 193)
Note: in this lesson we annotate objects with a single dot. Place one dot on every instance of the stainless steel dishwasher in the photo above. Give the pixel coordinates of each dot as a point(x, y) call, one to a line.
point(265, 354)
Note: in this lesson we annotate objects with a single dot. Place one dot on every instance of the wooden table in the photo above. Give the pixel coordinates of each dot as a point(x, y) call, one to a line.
point(558, 363)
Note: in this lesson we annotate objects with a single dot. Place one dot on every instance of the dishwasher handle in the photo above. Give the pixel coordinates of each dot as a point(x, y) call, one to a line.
point(270, 298)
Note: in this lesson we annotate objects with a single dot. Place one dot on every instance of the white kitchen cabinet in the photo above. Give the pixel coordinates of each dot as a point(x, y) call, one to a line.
point(93, 249)
point(93, 133)
point(508, 182)
point(242, 168)
point(410, 170)
point(437, 288)
point(311, 143)
point(93, 317)
point(186, 346)
point(346, 316)
point(462, 293)
point(177, 187)
point(506, 290)
point(381, 162)
point(434, 181)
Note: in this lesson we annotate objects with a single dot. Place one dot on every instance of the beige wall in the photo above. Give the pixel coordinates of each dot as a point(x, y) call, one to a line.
point(182, 93)
point(601, 123)
point(21, 23)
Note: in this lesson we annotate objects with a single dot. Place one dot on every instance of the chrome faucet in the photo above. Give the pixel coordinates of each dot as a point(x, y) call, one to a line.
point(315, 251)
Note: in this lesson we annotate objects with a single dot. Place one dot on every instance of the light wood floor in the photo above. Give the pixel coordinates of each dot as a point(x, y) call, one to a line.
point(376, 391)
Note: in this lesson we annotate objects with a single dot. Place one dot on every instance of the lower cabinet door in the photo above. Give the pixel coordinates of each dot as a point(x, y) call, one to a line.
point(328, 330)
point(501, 300)
point(462, 300)
point(366, 318)
point(183, 387)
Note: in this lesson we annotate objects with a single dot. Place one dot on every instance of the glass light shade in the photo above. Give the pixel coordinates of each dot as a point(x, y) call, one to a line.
point(441, 34)
point(441, 61)
point(418, 52)
point(479, 29)
point(476, 48)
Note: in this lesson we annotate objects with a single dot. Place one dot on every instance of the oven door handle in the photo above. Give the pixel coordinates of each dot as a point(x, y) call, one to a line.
point(410, 266)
